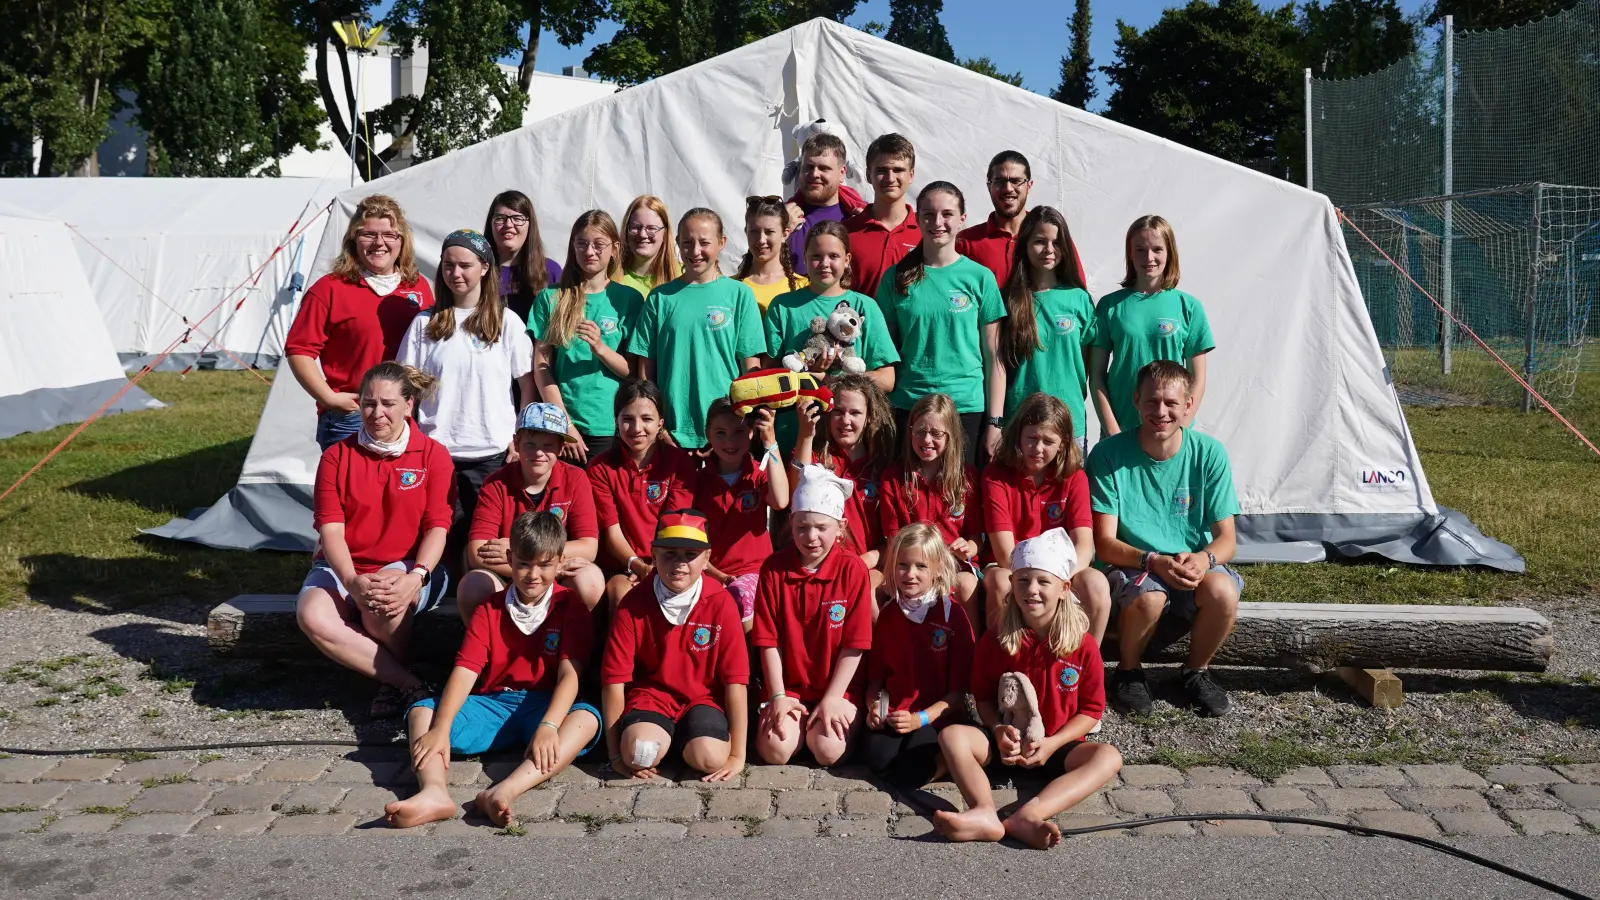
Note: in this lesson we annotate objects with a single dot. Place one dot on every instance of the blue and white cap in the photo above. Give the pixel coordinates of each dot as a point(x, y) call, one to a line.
point(546, 417)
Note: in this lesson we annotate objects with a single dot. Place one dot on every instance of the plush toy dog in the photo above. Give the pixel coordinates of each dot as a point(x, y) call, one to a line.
point(837, 331)
point(1019, 707)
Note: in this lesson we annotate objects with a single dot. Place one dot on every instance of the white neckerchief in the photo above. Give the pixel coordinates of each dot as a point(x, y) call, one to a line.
point(389, 449)
point(676, 606)
point(382, 285)
point(528, 618)
point(916, 608)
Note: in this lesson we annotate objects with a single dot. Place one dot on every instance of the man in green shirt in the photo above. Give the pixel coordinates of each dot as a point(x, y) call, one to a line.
point(1163, 503)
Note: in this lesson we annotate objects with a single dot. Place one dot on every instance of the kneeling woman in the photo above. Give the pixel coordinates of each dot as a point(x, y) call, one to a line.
point(382, 509)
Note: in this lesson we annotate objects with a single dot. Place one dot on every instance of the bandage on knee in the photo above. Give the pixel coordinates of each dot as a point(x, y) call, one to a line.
point(645, 753)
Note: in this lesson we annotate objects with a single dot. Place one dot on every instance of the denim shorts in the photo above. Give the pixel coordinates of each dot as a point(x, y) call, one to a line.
point(1126, 584)
point(334, 426)
point(506, 720)
point(321, 576)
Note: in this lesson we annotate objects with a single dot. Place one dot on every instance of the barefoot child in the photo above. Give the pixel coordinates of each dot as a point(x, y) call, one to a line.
point(515, 684)
point(921, 660)
point(859, 446)
point(1044, 637)
point(813, 626)
point(932, 484)
point(675, 653)
point(737, 491)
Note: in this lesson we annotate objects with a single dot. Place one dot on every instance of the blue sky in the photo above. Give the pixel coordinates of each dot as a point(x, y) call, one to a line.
point(1027, 36)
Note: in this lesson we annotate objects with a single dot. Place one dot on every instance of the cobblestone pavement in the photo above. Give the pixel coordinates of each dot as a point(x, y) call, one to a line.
point(330, 796)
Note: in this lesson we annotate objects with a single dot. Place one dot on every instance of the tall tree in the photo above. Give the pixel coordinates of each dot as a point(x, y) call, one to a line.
point(915, 24)
point(571, 20)
point(1495, 13)
point(1347, 38)
point(983, 65)
point(1077, 67)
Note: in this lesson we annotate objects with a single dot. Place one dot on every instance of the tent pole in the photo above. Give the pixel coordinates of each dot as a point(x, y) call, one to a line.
point(1447, 292)
point(355, 117)
point(1533, 296)
point(1308, 129)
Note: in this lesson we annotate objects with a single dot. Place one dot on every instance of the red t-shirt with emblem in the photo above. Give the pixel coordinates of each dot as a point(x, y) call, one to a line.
point(1014, 503)
point(921, 663)
point(811, 616)
point(508, 660)
point(385, 503)
point(926, 504)
point(1066, 687)
point(875, 247)
point(634, 498)
point(861, 507)
point(993, 247)
point(736, 515)
point(350, 329)
point(504, 496)
point(669, 668)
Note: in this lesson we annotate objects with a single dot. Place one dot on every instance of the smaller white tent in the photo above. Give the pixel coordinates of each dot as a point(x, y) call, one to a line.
point(57, 364)
point(161, 253)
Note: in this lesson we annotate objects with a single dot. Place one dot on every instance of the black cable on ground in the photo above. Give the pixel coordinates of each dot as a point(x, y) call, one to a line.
point(184, 748)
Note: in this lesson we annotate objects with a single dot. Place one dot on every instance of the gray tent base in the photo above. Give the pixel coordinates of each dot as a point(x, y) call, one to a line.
point(209, 359)
point(45, 408)
point(250, 517)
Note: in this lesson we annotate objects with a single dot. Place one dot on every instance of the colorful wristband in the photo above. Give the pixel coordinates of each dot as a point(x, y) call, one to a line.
point(549, 724)
point(923, 718)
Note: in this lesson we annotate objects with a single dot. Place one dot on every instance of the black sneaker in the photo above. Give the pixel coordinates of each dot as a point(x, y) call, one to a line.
point(1130, 692)
point(1205, 696)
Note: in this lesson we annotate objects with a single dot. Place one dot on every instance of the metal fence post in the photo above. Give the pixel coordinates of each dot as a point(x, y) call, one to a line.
point(1447, 328)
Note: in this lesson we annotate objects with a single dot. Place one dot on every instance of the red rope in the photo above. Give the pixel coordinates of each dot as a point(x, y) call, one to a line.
point(1472, 334)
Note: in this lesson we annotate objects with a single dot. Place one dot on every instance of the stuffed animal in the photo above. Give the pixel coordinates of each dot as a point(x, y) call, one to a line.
point(837, 331)
point(849, 198)
point(1019, 707)
point(776, 389)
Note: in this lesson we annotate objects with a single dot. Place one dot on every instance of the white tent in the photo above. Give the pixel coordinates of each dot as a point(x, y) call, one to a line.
point(56, 361)
point(160, 252)
point(1298, 391)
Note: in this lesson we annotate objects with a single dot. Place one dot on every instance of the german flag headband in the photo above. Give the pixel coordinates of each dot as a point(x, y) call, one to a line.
point(682, 528)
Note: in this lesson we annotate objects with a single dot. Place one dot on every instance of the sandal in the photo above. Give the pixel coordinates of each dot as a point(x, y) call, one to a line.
point(386, 703)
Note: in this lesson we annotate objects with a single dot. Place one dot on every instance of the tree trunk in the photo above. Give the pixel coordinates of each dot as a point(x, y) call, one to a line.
point(47, 158)
point(530, 53)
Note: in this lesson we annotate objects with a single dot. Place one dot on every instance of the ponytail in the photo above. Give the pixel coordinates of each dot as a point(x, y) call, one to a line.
point(415, 384)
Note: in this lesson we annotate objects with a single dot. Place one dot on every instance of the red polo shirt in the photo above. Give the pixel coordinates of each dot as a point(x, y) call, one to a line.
point(737, 517)
point(505, 496)
point(874, 247)
point(385, 503)
point(920, 664)
point(811, 616)
point(508, 660)
point(669, 668)
point(1012, 502)
point(861, 507)
point(1066, 687)
point(964, 519)
point(993, 247)
point(350, 329)
point(634, 498)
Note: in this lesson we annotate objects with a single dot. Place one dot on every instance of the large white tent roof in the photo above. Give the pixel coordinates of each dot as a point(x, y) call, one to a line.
point(1297, 389)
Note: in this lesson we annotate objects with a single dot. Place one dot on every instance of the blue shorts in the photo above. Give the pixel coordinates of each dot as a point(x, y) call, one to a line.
point(1126, 584)
point(505, 720)
point(321, 576)
point(334, 426)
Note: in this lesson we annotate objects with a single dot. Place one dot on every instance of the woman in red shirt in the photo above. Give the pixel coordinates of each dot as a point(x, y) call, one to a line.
point(355, 316)
point(382, 508)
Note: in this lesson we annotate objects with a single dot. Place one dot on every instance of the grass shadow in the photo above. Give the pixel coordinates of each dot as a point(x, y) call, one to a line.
point(172, 575)
point(173, 485)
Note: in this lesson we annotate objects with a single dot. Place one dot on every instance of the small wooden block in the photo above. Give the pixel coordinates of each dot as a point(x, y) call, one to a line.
point(1380, 687)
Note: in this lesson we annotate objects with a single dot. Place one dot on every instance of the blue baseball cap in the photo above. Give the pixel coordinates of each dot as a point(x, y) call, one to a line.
point(546, 417)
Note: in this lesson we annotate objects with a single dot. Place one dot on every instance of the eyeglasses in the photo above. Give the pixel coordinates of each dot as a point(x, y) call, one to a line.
point(934, 433)
point(582, 246)
point(651, 230)
point(373, 237)
point(1009, 182)
point(504, 219)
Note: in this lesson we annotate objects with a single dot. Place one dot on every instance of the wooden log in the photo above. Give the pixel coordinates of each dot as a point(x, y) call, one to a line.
point(263, 626)
point(1379, 687)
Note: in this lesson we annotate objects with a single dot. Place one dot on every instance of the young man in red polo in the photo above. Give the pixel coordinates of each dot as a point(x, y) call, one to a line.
point(992, 242)
point(883, 233)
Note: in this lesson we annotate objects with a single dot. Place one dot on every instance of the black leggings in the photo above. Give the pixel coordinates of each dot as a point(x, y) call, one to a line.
point(904, 760)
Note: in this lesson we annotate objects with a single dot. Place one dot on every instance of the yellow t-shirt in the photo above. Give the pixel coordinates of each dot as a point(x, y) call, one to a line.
point(644, 284)
point(766, 293)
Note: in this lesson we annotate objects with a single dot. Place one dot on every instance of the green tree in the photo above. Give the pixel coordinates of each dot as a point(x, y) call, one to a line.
point(655, 37)
point(983, 65)
point(1495, 13)
point(571, 20)
point(915, 24)
point(1347, 38)
point(1077, 67)
point(1219, 78)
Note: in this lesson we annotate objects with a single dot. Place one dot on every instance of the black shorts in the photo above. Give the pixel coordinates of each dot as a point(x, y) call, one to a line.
point(904, 760)
point(597, 445)
point(697, 721)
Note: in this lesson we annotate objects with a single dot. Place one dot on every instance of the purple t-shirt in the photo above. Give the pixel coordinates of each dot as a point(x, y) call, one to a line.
point(521, 302)
point(797, 239)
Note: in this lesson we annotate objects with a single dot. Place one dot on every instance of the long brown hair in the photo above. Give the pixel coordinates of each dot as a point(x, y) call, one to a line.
point(910, 269)
point(755, 208)
point(1019, 341)
point(377, 206)
point(1169, 276)
point(664, 267)
point(570, 300)
point(1041, 411)
point(877, 435)
point(527, 266)
point(838, 232)
point(486, 320)
point(952, 480)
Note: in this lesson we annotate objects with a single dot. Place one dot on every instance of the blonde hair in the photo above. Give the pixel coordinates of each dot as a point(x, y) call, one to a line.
point(924, 537)
point(952, 480)
point(1169, 275)
point(1041, 411)
point(664, 267)
point(1064, 633)
point(570, 301)
point(377, 206)
point(486, 320)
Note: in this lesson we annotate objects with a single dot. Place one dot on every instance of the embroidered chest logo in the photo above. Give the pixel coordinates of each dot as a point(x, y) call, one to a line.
point(1054, 510)
point(869, 489)
point(718, 318)
point(413, 298)
point(835, 615)
point(747, 501)
point(411, 478)
point(702, 637)
point(478, 343)
point(552, 640)
point(655, 490)
point(958, 511)
point(1069, 677)
point(1182, 501)
point(1166, 327)
point(960, 302)
point(608, 324)
point(941, 638)
point(559, 511)
point(1065, 324)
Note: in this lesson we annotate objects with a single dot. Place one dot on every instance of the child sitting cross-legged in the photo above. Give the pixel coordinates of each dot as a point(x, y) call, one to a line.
point(1043, 637)
point(515, 684)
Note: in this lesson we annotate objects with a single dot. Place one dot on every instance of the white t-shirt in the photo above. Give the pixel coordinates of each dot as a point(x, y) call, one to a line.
point(471, 412)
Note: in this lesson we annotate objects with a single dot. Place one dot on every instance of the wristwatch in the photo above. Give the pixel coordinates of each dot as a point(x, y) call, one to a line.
point(1211, 560)
point(997, 421)
point(424, 571)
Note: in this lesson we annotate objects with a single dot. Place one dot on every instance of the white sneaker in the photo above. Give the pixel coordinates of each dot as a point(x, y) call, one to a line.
point(1096, 728)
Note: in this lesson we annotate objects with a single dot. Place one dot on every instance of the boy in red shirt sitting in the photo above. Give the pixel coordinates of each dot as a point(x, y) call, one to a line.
point(515, 684)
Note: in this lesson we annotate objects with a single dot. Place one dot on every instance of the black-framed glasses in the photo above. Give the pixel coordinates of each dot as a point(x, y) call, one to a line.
point(508, 219)
point(1009, 182)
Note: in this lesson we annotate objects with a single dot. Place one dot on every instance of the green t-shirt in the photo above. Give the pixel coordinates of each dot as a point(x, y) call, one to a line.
point(1166, 506)
point(788, 327)
point(1065, 319)
point(938, 327)
point(588, 388)
point(1138, 330)
point(698, 335)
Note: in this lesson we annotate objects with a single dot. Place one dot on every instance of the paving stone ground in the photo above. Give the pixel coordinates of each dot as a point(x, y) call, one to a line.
point(346, 794)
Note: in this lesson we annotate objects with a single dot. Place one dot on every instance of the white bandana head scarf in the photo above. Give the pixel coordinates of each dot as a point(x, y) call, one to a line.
point(382, 285)
point(676, 606)
point(528, 618)
point(389, 449)
point(916, 608)
point(821, 491)
point(1050, 552)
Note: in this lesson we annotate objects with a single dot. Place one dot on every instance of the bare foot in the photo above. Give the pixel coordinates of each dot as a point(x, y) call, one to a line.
point(1042, 835)
point(429, 805)
point(495, 806)
point(972, 825)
